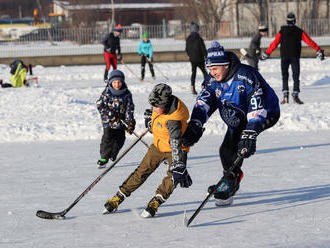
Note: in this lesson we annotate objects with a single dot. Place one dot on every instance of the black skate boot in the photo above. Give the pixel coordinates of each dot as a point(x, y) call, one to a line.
point(102, 162)
point(296, 98)
point(193, 90)
point(106, 76)
point(152, 206)
point(223, 195)
point(285, 100)
point(112, 204)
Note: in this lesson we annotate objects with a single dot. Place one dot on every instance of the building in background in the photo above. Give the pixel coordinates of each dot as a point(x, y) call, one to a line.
point(147, 13)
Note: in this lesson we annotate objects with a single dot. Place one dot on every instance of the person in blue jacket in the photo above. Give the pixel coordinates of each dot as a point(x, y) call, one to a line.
point(146, 53)
point(246, 103)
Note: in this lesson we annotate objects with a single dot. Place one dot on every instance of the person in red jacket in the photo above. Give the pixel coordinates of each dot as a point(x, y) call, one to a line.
point(111, 44)
point(290, 37)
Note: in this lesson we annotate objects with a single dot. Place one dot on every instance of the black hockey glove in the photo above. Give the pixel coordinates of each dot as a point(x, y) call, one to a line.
point(180, 175)
point(193, 133)
point(130, 126)
point(247, 144)
point(320, 54)
point(147, 119)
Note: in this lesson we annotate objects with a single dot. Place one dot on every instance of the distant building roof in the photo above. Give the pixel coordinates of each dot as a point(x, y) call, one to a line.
point(124, 6)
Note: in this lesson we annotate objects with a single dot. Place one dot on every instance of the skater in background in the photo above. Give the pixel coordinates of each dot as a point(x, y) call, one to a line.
point(290, 37)
point(167, 121)
point(111, 44)
point(196, 50)
point(246, 103)
point(253, 54)
point(146, 53)
point(115, 106)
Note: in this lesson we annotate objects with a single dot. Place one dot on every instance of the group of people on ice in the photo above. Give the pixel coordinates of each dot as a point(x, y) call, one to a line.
point(245, 101)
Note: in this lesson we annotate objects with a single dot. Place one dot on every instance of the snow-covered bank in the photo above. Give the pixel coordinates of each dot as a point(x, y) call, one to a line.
point(63, 108)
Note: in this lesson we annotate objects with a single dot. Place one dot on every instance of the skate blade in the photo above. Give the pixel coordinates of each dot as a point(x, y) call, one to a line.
point(223, 203)
point(106, 211)
point(101, 166)
point(145, 214)
point(185, 219)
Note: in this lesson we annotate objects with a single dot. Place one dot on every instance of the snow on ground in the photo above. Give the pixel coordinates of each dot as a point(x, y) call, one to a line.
point(49, 139)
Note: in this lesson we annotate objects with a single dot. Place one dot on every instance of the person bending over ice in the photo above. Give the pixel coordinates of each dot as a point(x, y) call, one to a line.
point(247, 104)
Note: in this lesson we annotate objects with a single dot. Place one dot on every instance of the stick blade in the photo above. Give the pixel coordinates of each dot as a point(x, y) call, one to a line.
point(50, 216)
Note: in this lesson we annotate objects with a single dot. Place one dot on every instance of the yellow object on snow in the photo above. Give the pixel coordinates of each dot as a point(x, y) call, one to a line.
point(19, 76)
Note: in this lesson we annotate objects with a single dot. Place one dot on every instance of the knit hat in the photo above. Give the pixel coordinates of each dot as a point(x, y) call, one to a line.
point(194, 27)
point(216, 55)
point(262, 28)
point(290, 18)
point(161, 96)
point(145, 35)
point(118, 28)
point(116, 75)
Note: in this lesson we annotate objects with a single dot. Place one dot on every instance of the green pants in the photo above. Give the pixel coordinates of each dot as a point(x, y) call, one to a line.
point(149, 164)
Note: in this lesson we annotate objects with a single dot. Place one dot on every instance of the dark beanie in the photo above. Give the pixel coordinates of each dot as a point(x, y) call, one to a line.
point(216, 55)
point(161, 96)
point(194, 27)
point(116, 75)
point(290, 18)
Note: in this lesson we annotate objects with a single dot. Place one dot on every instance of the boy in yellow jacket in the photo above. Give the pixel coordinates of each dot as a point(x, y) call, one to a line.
point(167, 122)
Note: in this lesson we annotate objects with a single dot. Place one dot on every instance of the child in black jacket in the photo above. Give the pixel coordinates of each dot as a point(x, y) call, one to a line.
point(116, 108)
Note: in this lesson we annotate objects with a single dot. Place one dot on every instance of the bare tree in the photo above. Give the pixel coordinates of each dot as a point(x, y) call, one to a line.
point(112, 15)
point(208, 12)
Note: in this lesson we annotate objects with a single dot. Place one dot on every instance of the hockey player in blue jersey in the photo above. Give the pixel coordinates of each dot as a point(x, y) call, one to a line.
point(246, 103)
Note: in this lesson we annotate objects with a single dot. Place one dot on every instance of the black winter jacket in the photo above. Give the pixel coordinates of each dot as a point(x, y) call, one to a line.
point(195, 48)
point(111, 43)
point(290, 41)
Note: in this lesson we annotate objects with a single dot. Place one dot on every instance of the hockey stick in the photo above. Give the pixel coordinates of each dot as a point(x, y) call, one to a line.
point(135, 75)
point(61, 215)
point(166, 78)
point(135, 134)
point(236, 162)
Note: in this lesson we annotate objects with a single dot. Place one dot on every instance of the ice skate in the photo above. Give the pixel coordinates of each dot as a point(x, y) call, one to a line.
point(223, 195)
point(102, 163)
point(112, 204)
point(296, 99)
point(152, 207)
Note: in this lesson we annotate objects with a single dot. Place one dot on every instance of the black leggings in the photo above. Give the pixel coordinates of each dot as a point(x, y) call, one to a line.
point(295, 67)
point(201, 66)
point(143, 65)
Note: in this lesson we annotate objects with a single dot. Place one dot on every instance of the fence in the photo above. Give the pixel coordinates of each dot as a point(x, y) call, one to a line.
point(319, 27)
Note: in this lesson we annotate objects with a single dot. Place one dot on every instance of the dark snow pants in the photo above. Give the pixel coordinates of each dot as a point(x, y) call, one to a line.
point(295, 67)
point(111, 143)
point(149, 164)
point(253, 61)
point(229, 147)
point(201, 66)
point(144, 60)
